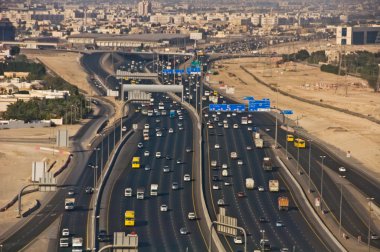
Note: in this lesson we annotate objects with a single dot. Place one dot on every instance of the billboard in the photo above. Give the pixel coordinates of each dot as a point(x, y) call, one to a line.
point(196, 35)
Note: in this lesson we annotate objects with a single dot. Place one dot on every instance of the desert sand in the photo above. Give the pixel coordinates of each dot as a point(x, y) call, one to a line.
point(346, 132)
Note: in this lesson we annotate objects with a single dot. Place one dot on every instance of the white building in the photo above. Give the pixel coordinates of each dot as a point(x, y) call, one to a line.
point(144, 8)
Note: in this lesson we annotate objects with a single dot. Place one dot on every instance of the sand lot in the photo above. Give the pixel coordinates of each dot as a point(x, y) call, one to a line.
point(348, 133)
point(18, 149)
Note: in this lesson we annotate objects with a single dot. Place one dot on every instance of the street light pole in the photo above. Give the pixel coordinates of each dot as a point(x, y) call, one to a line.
point(309, 164)
point(369, 222)
point(275, 132)
point(298, 161)
point(340, 205)
point(323, 158)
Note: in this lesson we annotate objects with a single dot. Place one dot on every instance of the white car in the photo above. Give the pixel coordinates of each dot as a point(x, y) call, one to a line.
point(163, 208)
point(215, 187)
point(220, 202)
point(233, 155)
point(261, 188)
point(186, 177)
point(64, 242)
point(240, 162)
point(342, 169)
point(191, 216)
point(158, 154)
point(235, 126)
point(159, 134)
point(228, 115)
point(128, 192)
point(146, 153)
point(217, 146)
point(249, 147)
point(224, 166)
point(225, 121)
point(238, 240)
point(65, 232)
point(171, 130)
point(225, 126)
point(213, 163)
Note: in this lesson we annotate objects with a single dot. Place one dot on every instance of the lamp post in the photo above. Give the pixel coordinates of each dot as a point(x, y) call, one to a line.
point(286, 147)
point(340, 204)
point(298, 160)
point(310, 164)
point(369, 222)
point(96, 163)
point(323, 158)
point(94, 167)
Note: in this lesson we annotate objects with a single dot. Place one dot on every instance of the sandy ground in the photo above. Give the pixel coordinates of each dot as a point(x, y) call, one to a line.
point(348, 133)
point(16, 159)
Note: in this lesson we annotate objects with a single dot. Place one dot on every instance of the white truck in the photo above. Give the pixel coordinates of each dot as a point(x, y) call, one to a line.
point(249, 183)
point(146, 134)
point(77, 244)
point(140, 193)
point(153, 189)
point(274, 185)
point(259, 143)
point(128, 192)
point(69, 203)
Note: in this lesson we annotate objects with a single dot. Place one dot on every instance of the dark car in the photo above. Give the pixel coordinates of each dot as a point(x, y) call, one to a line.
point(215, 178)
point(89, 189)
point(103, 236)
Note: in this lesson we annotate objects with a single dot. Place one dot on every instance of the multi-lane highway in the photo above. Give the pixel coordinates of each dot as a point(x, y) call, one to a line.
point(156, 228)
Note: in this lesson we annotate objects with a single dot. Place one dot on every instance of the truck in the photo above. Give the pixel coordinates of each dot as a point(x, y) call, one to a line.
point(140, 193)
point(233, 155)
point(129, 218)
point(153, 189)
point(259, 143)
point(283, 203)
point(249, 183)
point(146, 134)
point(274, 185)
point(244, 120)
point(77, 244)
point(267, 164)
point(128, 192)
point(69, 203)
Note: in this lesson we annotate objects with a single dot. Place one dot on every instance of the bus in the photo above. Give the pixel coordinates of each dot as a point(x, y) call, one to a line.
point(289, 138)
point(299, 143)
point(244, 120)
point(136, 162)
point(129, 218)
point(172, 113)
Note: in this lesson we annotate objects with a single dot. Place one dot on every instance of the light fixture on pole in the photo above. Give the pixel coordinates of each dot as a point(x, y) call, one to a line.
point(321, 189)
point(310, 164)
point(369, 222)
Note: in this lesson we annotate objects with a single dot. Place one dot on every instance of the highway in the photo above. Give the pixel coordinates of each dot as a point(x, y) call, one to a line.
point(158, 229)
point(54, 207)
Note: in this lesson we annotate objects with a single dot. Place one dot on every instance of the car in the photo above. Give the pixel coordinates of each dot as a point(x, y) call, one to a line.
point(284, 250)
point(183, 231)
point(124, 129)
point(180, 124)
point(158, 154)
point(180, 128)
point(261, 188)
point(374, 237)
point(240, 194)
point(128, 192)
point(210, 126)
point(157, 129)
point(217, 146)
point(205, 115)
point(159, 134)
point(342, 169)
point(167, 157)
point(188, 149)
point(65, 232)
point(249, 147)
point(89, 189)
point(163, 208)
point(102, 236)
point(227, 183)
point(225, 121)
point(238, 240)
point(140, 145)
point(191, 216)
point(180, 117)
point(213, 163)
point(71, 192)
point(249, 128)
point(233, 114)
point(166, 169)
point(171, 130)
point(235, 126)
point(64, 242)
point(215, 187)
point(175, 186)
point(279, 223)
point(215, 178)
point(263, 220)
point(220, 202)
point(228, 115)
point(224, 166)
point(233, 155)
point(240, 162)
point(179, 161)
point(267, 129)
point(147, 167)
point(186, 177)
point(146, 153)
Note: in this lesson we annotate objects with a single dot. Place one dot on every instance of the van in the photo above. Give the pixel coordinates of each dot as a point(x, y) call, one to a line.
point(128, 192)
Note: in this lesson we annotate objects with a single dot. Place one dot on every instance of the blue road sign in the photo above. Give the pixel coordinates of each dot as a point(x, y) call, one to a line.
point(227, 107)
point(248, 98)
point(259, 105)
point(287, 112)
point(179, 71)
point(193, 70)
point(173, 71)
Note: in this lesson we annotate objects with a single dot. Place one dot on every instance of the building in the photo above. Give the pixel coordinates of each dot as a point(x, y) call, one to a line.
point(357, 35)
point(144, 8)
point(7, 30)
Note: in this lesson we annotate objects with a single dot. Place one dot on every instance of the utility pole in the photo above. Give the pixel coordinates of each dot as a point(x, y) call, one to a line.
point(321, 190)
